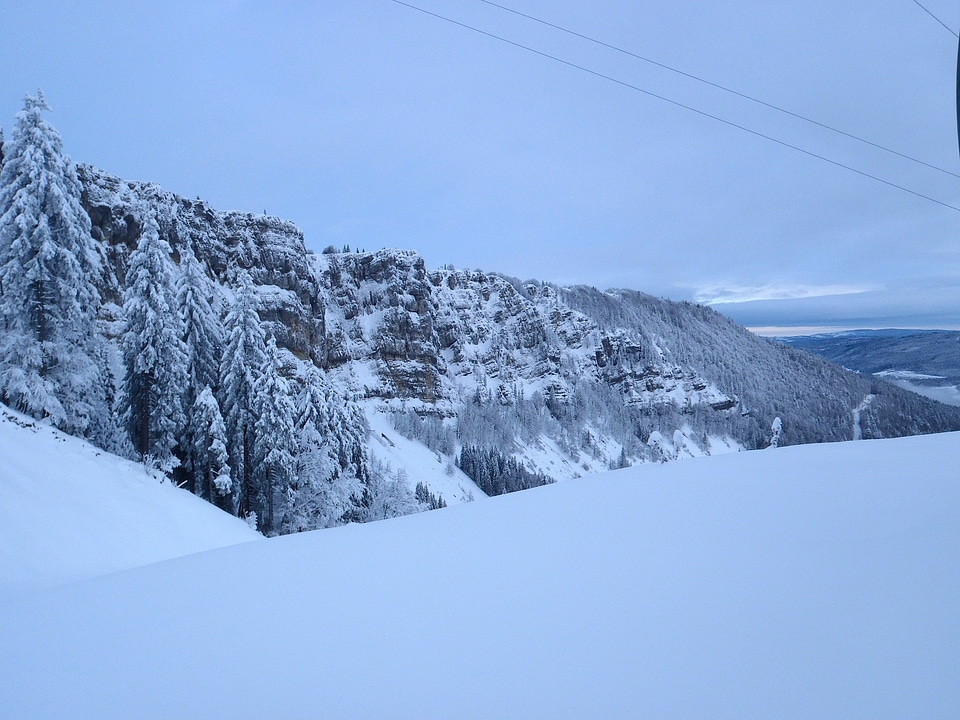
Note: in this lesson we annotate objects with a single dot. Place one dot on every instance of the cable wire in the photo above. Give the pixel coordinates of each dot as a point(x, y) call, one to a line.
point(676, 103)
point(718, 86)
point(917, 3)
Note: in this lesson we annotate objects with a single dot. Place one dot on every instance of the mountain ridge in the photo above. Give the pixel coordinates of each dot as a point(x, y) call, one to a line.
point(396, 337)
point(270, 379)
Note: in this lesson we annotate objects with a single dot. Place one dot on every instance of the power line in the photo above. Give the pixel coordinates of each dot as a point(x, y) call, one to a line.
point(675, 103)
point(718, 86)
point(917, 3)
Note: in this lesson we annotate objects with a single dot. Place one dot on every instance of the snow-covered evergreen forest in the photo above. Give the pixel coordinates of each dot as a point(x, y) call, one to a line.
point(154, 362)
point(277, 384)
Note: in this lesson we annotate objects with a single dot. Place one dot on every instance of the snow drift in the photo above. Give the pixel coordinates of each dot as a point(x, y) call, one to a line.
point(72, 511)
point(813, 581)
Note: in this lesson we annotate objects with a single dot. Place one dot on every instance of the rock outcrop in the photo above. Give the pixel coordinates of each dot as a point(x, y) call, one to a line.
point(591, 371)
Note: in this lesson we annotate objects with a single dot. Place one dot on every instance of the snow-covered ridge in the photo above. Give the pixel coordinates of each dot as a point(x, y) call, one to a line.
point(570, 381)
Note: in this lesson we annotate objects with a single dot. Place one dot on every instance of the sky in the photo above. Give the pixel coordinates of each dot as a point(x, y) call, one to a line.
point(373, 124)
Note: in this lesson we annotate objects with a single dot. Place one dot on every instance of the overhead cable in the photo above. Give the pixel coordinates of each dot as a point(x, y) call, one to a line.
point(675, 103)
point(724, 88)
point(919, 5)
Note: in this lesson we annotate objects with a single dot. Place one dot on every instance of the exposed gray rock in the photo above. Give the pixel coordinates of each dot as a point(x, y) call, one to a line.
point(601, 365)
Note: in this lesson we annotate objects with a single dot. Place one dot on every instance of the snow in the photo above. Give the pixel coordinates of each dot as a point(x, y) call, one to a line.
point(907, 375)
point(546, 456)
point(801, 582)
point(922, 385)
point(857, 411)
point(70, 511)
point(438, 472)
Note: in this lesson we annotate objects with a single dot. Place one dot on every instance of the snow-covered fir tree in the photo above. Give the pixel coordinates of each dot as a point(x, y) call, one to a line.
point(203, 341)
point(321, 491)
point(49, 264)
point(154, 353)
point(658, 449)
point(244, 357)
point(201, 323)
point(211, 464)
point(273, 440)
point(388, 494)
point(776, 430)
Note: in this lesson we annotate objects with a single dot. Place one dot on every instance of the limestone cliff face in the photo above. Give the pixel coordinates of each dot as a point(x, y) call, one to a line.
point(270, 249)
point(448, 336)
point(438, 337)
point(382, 311)
point(390, 333)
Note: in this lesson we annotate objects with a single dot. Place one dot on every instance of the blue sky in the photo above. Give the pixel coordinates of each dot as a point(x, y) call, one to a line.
point(373, 125)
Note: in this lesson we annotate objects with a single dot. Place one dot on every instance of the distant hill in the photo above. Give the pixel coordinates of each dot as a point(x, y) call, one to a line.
point(924, 361)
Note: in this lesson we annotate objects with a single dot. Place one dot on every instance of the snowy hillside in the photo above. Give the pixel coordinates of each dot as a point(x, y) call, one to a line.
point(304, 391)
point(803, 582)
point(926, 362)
point(71, 511)
point(568, 381)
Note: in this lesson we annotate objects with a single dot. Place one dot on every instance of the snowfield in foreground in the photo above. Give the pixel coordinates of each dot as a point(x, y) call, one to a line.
point(804, 582)
point(70, 511)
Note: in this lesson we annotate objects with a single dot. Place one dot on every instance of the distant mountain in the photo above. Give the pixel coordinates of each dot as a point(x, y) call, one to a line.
point(924, 361)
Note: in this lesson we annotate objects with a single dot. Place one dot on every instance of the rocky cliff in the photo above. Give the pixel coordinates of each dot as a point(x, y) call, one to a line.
point(568, 380)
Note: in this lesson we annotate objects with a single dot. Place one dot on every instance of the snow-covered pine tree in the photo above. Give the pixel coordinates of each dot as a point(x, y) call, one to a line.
point(211, 462)
point(49, 264)
point(203, 341)
point(274, 438)
point(154, 353)
point(202, 332)
point(776, 430)
point(388, 494)
point(322, 490)
point(244, 357)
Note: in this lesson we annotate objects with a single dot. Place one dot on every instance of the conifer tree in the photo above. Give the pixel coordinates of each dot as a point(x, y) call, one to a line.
point(776, 431)
point(201, 327)
point(244, 357)
point(49, 264)
point(273, 442)
point(211, 462)
point(325, 485)
point(154, 353)
point(203, 342)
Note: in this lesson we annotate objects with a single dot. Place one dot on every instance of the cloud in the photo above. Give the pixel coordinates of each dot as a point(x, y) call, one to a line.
point(723, 294)
point(932, 302)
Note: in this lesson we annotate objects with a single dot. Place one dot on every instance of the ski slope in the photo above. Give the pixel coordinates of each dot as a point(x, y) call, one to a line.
point(70, 511)
point(801, 582)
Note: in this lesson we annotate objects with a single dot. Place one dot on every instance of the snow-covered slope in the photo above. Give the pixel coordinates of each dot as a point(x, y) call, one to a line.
point(435, 470)
point(802, 582)
point(69, 511)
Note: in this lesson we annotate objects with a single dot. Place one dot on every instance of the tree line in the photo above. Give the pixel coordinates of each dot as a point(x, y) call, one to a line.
point(190, 383)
